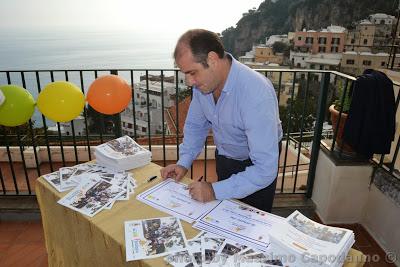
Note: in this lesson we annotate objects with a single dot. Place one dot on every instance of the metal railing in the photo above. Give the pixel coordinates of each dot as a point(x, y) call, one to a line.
point(42, 146)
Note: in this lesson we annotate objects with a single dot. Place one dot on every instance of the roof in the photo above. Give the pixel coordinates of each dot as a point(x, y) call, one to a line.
point(170, 115)
point(323, 61)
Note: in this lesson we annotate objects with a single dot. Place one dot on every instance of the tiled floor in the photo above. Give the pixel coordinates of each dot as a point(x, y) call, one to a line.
point(22, 244)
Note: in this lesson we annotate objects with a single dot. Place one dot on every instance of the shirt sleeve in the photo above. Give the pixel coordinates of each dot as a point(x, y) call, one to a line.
point(194, 133)
point(261, 121)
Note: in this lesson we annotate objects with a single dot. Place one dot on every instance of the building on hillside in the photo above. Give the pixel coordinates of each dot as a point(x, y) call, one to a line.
point(265, 54)
point(283, 38)
point(329, 40)
point(356, 62)
point(319, 61)
point(373, 34)
point(262, 54)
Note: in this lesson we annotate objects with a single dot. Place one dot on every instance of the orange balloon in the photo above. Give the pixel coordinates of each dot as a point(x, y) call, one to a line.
point(109, 94)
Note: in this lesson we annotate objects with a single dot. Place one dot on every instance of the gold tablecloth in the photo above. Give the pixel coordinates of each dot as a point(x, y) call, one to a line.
point(73, 239)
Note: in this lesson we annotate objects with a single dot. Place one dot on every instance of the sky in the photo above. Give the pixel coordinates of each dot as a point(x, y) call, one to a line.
point(147, 15)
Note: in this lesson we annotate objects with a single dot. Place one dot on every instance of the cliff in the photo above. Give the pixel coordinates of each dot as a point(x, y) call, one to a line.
point(282, 16)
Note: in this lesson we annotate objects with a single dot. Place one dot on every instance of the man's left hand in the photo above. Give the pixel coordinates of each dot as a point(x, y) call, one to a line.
point(202, 191)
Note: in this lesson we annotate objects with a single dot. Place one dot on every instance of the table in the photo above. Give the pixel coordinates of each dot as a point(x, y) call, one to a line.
point(73, 239)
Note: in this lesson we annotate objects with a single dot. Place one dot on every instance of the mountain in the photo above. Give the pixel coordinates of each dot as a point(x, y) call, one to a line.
point(282, 16)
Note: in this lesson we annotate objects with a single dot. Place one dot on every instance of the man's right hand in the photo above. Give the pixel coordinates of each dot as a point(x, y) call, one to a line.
point(173, 171)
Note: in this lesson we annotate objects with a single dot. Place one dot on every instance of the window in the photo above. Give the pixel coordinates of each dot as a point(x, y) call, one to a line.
point(144, 129)
point(335, 41)
point(130, 125)
point(367, 62)
point(309, 40)
point(299, 38)
point(322, 40)
point(321, 49)
point(365, 41)
point(383, 64)
point(353, 41)
point(334, 49)
point(350, 61)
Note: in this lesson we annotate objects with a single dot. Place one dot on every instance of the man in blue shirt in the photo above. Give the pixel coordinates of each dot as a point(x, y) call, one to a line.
point(241, 108)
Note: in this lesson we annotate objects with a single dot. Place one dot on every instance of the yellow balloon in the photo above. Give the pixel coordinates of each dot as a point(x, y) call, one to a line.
point(61, 101)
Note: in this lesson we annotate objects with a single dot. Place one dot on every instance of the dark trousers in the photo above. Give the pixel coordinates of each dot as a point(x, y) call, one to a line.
point(261, 199)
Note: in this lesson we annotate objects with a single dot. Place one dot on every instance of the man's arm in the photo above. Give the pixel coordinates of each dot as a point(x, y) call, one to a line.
point(194, 133)
point(260, 121)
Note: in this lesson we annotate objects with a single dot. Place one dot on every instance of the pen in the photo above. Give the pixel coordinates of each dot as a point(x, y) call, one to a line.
point(201, 178)
point(151, 178)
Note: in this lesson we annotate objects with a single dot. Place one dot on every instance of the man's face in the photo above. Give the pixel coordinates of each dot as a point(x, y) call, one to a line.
point(196, 74)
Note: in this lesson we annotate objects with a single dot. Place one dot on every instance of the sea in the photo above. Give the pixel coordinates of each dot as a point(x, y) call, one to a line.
point(81, 49)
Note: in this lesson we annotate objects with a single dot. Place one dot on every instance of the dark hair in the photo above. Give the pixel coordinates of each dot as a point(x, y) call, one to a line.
point(201, 42)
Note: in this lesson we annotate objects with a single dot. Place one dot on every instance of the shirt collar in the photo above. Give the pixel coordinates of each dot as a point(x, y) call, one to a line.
point(231, 79)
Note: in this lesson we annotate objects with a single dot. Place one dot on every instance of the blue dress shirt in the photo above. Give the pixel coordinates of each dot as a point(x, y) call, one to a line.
point(245, 124)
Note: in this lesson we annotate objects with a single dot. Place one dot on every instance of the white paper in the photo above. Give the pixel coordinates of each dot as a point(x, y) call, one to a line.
point(239, 222)
point(174, 198)
point(90, 196)
point(54, 179)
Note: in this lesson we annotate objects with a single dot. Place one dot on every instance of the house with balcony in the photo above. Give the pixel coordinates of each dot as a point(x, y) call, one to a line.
point(151, 97)
point(318, 49)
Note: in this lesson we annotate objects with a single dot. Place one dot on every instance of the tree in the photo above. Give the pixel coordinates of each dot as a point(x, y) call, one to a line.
point(281, 47)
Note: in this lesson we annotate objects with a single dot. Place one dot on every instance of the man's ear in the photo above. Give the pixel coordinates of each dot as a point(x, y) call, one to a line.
point(212, 58)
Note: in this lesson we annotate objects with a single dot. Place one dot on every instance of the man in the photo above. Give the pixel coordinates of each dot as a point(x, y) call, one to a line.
point(241, 108)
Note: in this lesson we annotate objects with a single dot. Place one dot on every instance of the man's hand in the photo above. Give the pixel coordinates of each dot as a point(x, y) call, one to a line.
point(173, 171)
point(202, 191)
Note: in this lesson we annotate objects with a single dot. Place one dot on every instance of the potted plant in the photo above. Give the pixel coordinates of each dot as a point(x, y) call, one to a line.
point(341, 107)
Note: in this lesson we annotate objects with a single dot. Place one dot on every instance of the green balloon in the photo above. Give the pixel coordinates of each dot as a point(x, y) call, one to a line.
point(18, 106)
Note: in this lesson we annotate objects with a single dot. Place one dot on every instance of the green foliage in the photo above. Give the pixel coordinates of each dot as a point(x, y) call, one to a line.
point(281, 47)
point(344, 97)
point(297, 115)
point(99, 123)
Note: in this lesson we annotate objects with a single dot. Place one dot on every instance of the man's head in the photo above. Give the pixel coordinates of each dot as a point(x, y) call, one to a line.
point(199, 54)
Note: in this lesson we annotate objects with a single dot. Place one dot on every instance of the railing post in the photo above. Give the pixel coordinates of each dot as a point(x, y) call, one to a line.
point(317, 132)
point(117, 117)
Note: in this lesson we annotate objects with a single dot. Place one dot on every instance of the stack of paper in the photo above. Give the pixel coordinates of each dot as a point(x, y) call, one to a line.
point(122, 154)
point(311, 243)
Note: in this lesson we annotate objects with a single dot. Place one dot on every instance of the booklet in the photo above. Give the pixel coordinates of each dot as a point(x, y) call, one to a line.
point(91, 196)
point(154, 237)
point(310, 241)
point(174, 198)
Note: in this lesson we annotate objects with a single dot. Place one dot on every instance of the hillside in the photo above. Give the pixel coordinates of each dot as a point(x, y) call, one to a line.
point(291, 15)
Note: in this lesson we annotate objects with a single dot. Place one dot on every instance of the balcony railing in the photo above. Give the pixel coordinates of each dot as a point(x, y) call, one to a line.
point(32, 150)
